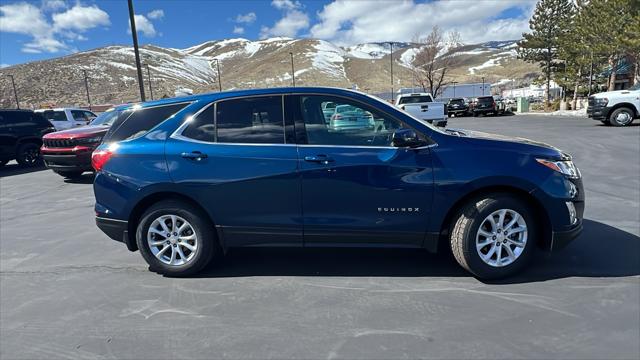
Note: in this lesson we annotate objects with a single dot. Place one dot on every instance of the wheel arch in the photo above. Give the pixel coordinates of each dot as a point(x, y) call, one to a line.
point(539, 211)
point(150, 199)
point(627, 105)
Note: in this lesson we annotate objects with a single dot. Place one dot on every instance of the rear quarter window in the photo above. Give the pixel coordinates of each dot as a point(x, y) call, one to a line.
point(132, 124)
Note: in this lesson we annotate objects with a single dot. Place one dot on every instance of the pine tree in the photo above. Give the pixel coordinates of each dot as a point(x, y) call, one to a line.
point(611, 30)
point(548, 24)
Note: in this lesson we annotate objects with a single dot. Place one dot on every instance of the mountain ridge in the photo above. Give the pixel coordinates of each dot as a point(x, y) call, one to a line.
point(245, 64)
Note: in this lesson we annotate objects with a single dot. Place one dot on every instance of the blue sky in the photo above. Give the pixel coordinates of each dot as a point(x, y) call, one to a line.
point(42, 29)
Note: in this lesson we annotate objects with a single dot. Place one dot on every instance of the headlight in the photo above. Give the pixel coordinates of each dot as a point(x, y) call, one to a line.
point(602, 101)
point(91, 140)
point(565, 167)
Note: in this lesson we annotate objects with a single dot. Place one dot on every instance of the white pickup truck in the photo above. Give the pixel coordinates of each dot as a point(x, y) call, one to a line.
point(422, 107)
point(67, 118)
point(617, 108)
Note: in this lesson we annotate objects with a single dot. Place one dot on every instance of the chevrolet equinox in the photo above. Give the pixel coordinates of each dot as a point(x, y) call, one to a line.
point(187, 178)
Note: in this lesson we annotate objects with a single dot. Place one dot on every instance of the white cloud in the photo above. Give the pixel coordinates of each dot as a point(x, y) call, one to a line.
point(294, 20)
point(286, 4)
point(28, 19)
point(156, 14)
point(352, 22)
point(81, 18)
point(53, 5)
point(4, 65)
point(238, 30)
point(248, 18)
point(144, 26)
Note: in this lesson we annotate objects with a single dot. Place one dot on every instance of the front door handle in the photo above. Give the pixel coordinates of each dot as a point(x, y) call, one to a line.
point(320, 159)
point(194, 155)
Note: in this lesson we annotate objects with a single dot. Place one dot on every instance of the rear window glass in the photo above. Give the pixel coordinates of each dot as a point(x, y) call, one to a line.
point(485, 99)
point(415, 99)
point(131, 124)
point(54, 115)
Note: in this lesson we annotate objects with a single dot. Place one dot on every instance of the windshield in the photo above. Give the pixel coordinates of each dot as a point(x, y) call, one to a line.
point(415, 99)
point(485, 99)
point(106, 118)
point(456, 101)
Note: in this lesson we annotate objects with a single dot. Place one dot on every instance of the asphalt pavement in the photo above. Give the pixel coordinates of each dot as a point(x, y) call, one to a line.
point(67, 291)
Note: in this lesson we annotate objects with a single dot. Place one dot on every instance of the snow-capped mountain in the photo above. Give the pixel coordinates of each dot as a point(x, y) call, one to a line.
point(244, 64)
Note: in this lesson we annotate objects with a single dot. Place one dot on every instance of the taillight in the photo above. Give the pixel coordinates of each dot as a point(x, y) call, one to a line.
point(99, 158)
point(337, 117)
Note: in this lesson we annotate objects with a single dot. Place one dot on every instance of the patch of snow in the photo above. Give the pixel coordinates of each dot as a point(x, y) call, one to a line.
point(368, 51)
point(407, 57)
point(329, 59)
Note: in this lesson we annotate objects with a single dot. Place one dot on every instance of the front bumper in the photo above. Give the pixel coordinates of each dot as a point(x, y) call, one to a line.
point(560, 239)
point(599, 113)
point(62, 159)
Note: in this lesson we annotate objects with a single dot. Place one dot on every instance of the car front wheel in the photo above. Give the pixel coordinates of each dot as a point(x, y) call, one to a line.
point(621, 117)
point(175, 238)
point(494, 237)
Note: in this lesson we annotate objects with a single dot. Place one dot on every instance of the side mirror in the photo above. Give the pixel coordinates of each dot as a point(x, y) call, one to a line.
point(406, 138)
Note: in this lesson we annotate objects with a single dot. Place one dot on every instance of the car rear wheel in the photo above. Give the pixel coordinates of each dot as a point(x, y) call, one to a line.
point(29, 155)
point(494, 236)
point(621, 117)
point(175, 238)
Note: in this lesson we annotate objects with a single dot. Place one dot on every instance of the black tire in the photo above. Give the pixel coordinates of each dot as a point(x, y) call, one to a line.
point(621, 111)
point(204, 231)
point(475, 114)
point(29, 155)
point(466, 224)
point(69, 174)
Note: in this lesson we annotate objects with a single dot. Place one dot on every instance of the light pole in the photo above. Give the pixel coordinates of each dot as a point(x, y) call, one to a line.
point(454, 88)
point(86, 86)
point(483, 86)
point(391, 61)
point(134, 34)
point(149, 77)
point(15, 93)
point(293, 73)
point(219, 77)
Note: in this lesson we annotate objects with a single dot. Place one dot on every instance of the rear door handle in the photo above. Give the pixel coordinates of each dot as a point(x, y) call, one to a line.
point(320, 159)
point(194, 155)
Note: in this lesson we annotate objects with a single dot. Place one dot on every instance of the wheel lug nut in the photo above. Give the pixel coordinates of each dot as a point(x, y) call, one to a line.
point(175, 234)
point(494, 237)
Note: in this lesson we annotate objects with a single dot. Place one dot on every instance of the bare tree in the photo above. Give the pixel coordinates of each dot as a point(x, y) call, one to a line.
point(431, 63)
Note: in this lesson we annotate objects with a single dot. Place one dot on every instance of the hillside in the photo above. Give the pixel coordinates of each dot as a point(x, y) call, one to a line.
point(243, 64)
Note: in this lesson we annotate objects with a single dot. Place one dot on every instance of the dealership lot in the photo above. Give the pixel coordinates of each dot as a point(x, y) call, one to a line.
point(67, 291)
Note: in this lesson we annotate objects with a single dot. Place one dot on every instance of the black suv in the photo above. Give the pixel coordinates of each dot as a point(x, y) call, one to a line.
point(21, 134)
point(457, 107)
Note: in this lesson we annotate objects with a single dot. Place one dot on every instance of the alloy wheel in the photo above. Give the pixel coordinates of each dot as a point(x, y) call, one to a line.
point(501, 238)
point(172, 240)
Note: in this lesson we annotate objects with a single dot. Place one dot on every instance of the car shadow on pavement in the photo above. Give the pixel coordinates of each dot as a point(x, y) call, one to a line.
point(17, 169)
point(86, 178)
point(601, 251)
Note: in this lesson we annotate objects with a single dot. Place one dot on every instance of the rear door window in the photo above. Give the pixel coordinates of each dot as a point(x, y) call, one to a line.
point(254, 120)
point(415, 99)
point(52, 115)
point(132, 124)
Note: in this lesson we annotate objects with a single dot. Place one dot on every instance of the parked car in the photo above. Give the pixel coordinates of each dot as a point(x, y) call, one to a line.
point(457, 107)
point(617, 108)
point(184, 179)
point(422, 107)
point(21, 134)
point(68, 152)
point(67, 118)
point(484, 105)
point(348, 117)
point(328, 109)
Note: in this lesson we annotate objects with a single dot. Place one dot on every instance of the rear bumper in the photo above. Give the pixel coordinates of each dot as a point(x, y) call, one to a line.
point(117, 230)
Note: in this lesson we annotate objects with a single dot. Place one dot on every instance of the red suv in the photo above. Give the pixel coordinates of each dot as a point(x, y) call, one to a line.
point(68, 152)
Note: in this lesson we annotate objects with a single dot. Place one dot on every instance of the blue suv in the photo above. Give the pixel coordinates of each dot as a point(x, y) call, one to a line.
point(185, 179)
